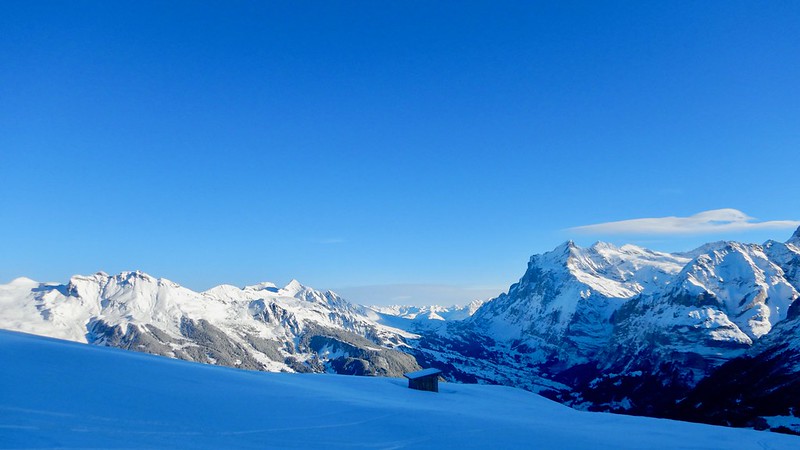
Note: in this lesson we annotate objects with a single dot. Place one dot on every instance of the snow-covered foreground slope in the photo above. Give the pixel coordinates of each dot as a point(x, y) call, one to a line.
point(59, 394)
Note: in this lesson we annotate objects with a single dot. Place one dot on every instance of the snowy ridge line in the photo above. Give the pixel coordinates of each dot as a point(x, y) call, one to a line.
point(430, 312)
point(259, 327)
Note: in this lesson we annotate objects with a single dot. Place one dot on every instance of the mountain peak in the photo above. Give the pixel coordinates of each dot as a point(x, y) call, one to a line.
point(604, 245)
point(558, 257)
point(130, 275)
point(293, 286)
point(565, 248)
point(795, 239)
point(264, 285)
point(23, 282)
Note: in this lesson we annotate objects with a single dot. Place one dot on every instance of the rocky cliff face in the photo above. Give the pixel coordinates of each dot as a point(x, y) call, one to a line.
point(565, 301)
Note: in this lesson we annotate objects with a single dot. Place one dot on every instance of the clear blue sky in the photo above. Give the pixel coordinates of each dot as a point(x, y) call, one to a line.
point(383, 144)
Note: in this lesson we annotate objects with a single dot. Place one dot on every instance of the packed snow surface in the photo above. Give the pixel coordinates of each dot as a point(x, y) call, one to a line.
point(59, 394)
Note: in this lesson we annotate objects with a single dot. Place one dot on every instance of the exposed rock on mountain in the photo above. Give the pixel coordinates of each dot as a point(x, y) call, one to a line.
point(261, 327)
point(632, 330)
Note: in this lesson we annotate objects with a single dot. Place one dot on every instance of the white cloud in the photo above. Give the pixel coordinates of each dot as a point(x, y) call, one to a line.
point(713, 221)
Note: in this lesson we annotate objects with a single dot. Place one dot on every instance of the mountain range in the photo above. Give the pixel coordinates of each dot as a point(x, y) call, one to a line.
point(259, 327)
point(709, 335)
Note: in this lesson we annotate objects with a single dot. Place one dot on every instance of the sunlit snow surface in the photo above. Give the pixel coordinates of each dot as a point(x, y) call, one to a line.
point(58, 394)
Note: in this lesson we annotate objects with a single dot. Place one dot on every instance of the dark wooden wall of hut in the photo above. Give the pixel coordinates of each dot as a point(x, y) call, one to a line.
point(429, 383)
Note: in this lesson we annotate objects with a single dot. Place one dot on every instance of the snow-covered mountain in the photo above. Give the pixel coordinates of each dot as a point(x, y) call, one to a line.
point(725, 299)
point(609, 328)
point(563, 304)
point(626, 328)
point(764, 381)
point(263, 327)
point(721, 303)
point(430, 312)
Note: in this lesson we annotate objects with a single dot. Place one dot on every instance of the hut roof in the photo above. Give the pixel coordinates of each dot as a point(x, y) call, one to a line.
point(422, 373)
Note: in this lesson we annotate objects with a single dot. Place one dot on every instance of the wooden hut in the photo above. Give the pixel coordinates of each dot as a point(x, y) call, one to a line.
point(424, 380)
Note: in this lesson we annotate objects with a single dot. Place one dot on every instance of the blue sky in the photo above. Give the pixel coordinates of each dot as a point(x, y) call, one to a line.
point(368, 146)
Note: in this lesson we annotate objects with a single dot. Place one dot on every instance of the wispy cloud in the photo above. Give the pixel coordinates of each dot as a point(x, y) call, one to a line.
point(713, 221)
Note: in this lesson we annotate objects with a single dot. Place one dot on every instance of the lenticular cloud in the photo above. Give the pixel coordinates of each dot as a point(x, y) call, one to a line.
point(712, 221)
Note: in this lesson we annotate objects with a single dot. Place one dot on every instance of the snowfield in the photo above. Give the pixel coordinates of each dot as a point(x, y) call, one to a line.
point(59, 394)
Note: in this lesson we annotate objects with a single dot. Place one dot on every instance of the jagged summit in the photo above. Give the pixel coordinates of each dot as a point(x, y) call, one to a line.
point(703, 249)
point(293, 286)
point(565, 247)
point(125, 276)
point(795, 239)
